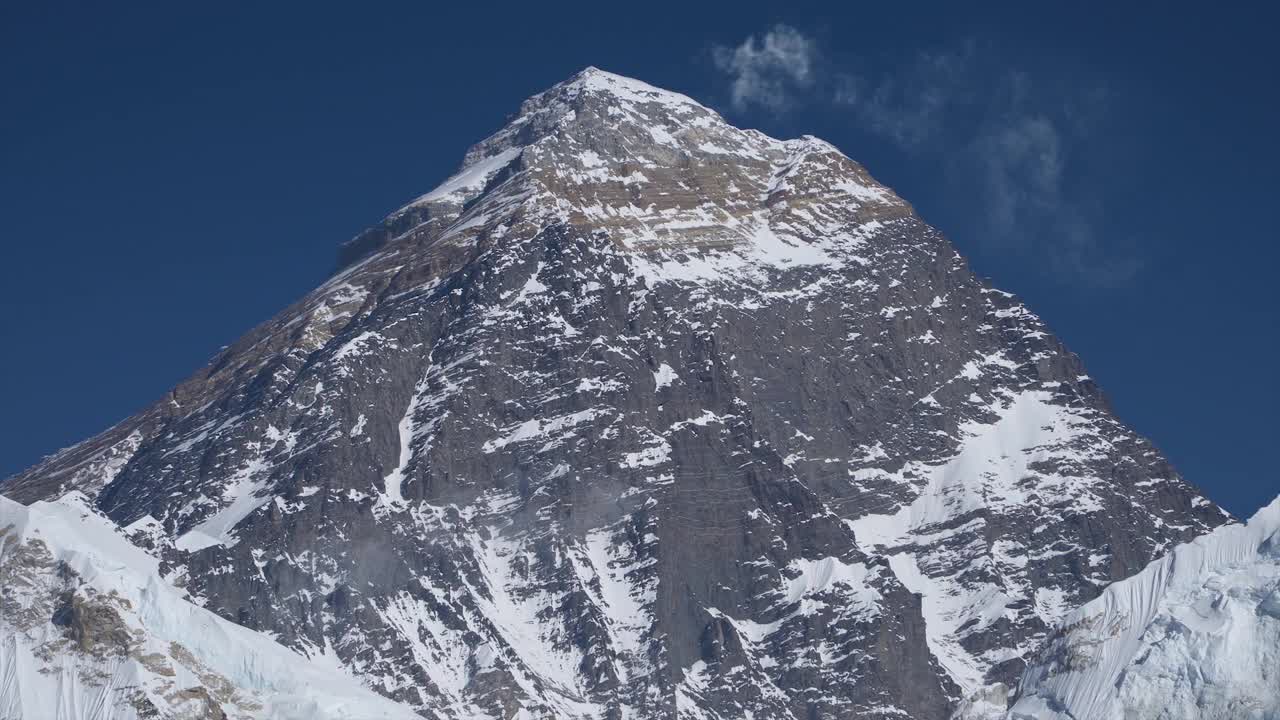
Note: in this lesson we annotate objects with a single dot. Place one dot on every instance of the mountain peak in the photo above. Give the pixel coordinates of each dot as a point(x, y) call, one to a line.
point(594, 80)
point(596, 102)
point(653, 166)
point(643, 410)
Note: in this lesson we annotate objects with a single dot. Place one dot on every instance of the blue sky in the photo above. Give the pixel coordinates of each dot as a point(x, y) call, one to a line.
point(173, 174)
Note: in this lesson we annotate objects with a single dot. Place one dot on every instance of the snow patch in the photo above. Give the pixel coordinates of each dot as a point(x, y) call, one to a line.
point(664, 376)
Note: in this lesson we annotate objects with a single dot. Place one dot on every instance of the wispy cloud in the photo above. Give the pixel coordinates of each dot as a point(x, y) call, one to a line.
point(1021, 165)
point(910, 105)
point(1017, 160)
point(1003, 137)
point(768, 70)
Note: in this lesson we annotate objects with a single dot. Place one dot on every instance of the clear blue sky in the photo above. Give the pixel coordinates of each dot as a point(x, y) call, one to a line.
point(170, 175)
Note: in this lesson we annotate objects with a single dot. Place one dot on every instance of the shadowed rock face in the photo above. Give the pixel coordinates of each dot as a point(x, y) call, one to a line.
point(642, 415)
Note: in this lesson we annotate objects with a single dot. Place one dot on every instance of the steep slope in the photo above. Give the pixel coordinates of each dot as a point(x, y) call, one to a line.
point(1194, 635)
point(643, 415)
point(88, 630)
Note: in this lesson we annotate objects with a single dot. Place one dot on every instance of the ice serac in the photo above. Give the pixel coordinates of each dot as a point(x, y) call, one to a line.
point(642, 415)
point(1195, 635)
point(90, 631)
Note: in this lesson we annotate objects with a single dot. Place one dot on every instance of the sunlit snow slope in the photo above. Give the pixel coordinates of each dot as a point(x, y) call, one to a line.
point(89, 631)
point(1196, 635)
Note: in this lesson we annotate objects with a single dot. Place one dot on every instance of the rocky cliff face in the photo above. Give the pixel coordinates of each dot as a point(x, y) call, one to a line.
point(642, 415)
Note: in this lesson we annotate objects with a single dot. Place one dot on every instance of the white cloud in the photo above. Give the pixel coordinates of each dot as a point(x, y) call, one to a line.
point(767, 70)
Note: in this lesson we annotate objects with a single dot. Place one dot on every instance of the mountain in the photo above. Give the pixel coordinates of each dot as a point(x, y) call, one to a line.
point(641, 415)
point(1195, 635)
point(89, 630)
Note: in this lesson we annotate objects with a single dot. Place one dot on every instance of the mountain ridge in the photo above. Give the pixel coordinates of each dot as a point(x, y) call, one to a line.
point(90, 630)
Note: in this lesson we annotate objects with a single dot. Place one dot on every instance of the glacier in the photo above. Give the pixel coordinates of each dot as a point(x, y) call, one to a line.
point(1194, 636)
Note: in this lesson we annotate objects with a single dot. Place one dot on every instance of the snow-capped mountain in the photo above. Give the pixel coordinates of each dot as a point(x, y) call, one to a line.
point(1194, 636)
point(642, 415)
point(90, 631)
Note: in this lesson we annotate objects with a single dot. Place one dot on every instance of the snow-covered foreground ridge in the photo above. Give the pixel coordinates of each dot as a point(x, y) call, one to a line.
point(1194, 635)
point(90, 631)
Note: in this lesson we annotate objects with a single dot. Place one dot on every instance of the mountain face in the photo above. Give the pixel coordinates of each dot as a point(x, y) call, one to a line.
point(1194, 636)
point(89, 631)
point(641, 415)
